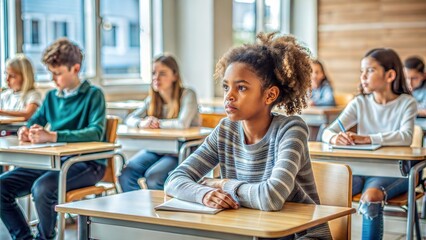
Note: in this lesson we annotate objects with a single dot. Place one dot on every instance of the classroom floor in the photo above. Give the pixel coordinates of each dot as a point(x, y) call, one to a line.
point(394, 228)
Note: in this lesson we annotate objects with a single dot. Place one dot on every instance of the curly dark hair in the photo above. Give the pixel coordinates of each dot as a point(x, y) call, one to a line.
point(62, 52)
point(278, 61)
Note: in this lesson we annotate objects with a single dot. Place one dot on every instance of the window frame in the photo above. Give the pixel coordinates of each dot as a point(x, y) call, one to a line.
point(3, 44)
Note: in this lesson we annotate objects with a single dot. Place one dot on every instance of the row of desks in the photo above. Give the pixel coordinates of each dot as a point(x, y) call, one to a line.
point(386, 161)
point(128, 213)
point(314, 116)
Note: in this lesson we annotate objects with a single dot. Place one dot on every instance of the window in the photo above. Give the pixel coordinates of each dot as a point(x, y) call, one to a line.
point(109, 35)
point(33, 28)
point(272, 15)
point(60, 29)
point(134, 35)
point(46, 20)
point(118, 57)
point(244, 21)
point(253, 16)
point(113, 57)
point(35, 32)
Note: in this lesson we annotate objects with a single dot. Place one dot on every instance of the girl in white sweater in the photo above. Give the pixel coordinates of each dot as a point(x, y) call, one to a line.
point(20, 99)
point(384, 113)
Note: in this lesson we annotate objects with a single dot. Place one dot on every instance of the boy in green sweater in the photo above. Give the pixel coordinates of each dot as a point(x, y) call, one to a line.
point(76, 113)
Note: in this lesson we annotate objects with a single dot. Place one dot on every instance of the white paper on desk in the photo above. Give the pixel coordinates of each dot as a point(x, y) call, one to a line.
point(369, 147)
point(184, 206)
point(38, 145)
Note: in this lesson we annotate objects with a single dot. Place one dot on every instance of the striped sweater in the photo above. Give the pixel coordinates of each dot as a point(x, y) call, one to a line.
point(263, 175)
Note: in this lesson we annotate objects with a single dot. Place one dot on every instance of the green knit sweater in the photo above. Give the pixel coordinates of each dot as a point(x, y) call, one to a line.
point(76, 118)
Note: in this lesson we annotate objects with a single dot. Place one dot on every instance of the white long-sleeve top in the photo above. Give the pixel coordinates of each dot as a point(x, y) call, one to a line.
point(390, 124)
point(188, 114)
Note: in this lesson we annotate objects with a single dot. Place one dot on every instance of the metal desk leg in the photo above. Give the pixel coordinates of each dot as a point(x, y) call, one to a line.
point(62, 188)
point(411, 197)
point(83, 227)
point(186, 146)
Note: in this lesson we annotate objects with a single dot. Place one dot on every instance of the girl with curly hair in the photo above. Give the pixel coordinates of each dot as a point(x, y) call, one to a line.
point(263, 156)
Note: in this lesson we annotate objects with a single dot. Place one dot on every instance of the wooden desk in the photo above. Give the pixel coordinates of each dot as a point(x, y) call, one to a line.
point(383, 162)
point(9, 120)
point(129, 105)
point(11, 124)
point(315, 116)
point(122, 108)
point(171, 141)
point(131, 215)
point(49, 158)
point(211, 105)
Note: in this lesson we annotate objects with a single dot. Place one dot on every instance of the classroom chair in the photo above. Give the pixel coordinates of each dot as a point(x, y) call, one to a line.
point(401, 201)
point(342, 99)
point(334, 187)
point(211, 120)
point(109, 181)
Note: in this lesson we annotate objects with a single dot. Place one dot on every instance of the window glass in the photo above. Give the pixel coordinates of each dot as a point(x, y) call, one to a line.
point(244, 21)
point(46, 20)
point(120, 56)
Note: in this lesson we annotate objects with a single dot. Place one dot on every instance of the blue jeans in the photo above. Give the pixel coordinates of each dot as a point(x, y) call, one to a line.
point(372, 219)
point(43, 185)
point(152, 166)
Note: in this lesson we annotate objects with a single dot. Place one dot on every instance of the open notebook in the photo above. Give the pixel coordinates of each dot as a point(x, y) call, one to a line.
point(369, 147)
point(184, 206)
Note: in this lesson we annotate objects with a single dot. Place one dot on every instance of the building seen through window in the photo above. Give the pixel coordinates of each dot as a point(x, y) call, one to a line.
point(44, 21)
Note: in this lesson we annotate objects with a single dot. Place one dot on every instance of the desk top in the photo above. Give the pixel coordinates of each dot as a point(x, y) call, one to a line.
point(68, 149)
point(211, 102)
point(315, 110)
point(163, 134)
point(9, 119)
point(392, 153)
point(124, 105)
point(138, 206)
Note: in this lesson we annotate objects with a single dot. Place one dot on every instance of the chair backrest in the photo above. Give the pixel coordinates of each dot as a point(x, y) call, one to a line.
point(334, 186)
point(342, 99)
point(211, 120)
point(111, 137)
point(417, 137)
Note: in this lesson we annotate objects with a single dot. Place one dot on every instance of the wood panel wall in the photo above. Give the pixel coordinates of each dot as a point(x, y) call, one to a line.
point(348, 29)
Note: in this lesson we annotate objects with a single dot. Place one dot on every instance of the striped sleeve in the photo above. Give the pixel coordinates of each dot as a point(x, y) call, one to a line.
point(182, 182)
point(271, 194)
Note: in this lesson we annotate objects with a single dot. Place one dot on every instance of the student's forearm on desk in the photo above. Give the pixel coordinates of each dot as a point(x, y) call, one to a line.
point(26, 113)
point(182, 182)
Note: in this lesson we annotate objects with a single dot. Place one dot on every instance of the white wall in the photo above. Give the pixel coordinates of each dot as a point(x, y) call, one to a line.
point(194, 44)
point(222, 35)
point(304, 22)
